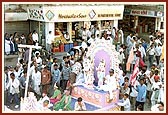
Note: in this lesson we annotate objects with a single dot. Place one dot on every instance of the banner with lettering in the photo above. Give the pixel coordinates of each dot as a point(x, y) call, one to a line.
point(35, 14)
point(83, 13)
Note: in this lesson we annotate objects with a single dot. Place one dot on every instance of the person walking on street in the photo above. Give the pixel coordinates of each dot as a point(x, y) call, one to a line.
point(56, 75)
point(151, 52)
point(141, 97)
point(45, 80)
point(13, 87)
point(65, 75)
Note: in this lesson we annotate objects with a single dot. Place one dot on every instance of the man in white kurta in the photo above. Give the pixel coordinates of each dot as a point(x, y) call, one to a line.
point(36, 77)
point(35, 37)
point(49, 40)
point(110, 85)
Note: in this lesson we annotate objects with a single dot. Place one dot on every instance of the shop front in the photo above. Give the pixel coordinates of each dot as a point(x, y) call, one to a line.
point(141, 21)
point(69, 19)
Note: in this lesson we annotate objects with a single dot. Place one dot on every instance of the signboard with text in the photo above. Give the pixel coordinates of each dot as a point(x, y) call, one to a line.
point(83, 14)
point(142, 13)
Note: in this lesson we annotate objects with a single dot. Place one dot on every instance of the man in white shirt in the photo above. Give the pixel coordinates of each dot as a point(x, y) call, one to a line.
point(84, 45)
point(155, 89)
point(110, 85)
point(13, 87)
point(142, 50)
point(158, 51)
point(151, 51)
point(49, 40)
point(35, 37)
point(79, 105)
point(121, 35)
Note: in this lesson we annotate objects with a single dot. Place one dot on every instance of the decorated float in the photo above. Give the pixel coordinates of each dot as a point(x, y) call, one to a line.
point(100, 58)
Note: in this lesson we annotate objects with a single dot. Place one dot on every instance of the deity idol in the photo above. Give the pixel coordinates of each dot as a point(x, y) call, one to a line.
point(88, 75)
point(101, 72)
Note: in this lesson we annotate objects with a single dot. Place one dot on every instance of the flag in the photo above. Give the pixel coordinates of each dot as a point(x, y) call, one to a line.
point(135, 72)
point(130, 59)
point(162, 55)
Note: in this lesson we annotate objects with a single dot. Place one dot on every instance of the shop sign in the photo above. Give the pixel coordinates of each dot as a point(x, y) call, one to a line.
point(35, 14)
point(139, 12)
point(62, 14)
point(143, 13)
point(80, 15)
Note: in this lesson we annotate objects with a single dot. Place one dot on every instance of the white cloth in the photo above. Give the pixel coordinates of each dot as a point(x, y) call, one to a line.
point(97, 33)
point(122, 36)
point(134, 93)
point(32, 69)
point(84, 35)
point(108, 32)
point(151, 51)
point(158, 50)
point(91, 40)
point(121, 57)
point(158, 41)
point(161, 95)
point(113, 33)
point(41, 101)
point(7, 46)
point(155, 107)
point(89, 33)
point(66, 37)
point(35, 36)
point(17, 74)
point(36, 77)
point(126, 104)
point(142, 50)
point(39, 61)
point(84, 45)
point(49, 38)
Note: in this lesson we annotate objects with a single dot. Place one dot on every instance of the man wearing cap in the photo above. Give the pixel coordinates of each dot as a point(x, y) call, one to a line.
point(45, 79)
point(155, 89)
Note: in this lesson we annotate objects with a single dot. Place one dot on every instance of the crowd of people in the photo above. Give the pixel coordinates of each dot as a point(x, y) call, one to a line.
point(49, 81)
